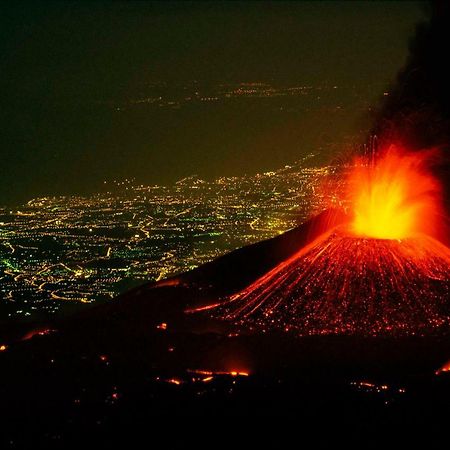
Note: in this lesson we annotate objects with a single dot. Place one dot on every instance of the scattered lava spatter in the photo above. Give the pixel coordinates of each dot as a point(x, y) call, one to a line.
point(381, 274)
point(351, 285)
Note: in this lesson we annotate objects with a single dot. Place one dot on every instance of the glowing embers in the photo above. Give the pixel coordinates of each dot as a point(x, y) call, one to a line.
point(37, 332)
point(351, 285)
point(199, 376)
point(384, 392)
point(394, 198)
point(444, 369)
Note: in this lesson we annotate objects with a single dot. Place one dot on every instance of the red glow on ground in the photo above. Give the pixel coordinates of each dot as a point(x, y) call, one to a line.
point(210, 373)
point(38, 332)
point(207, 379)
point(444, 368)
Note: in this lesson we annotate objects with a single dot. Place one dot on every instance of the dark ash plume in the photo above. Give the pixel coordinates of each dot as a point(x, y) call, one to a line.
point(417, 110)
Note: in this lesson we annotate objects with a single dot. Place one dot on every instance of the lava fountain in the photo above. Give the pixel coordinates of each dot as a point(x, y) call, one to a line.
point(383, 273)
point(395, 198)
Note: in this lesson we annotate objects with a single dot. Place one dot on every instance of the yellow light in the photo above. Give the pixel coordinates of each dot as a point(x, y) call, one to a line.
point(395, 198)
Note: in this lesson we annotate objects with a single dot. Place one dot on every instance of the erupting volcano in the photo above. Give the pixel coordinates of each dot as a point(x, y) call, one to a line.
point(384, 272)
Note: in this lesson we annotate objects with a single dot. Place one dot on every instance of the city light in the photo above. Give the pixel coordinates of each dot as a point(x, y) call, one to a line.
point(57, 251)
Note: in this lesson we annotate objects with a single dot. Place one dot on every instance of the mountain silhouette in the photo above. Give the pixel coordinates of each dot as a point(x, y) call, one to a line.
point(143, 358)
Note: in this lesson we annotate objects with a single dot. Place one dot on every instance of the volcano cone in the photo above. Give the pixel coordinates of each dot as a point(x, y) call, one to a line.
point(344, 284)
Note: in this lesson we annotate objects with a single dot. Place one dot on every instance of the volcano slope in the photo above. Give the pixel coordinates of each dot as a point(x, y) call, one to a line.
point(344, 284)
point(142, 363)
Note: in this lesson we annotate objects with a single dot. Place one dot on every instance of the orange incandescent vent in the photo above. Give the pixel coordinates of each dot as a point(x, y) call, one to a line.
point(395, 198)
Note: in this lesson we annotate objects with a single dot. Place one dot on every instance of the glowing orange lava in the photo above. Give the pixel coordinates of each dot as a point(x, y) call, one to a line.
point(395, 198)
point(444, 369)
point(384, 272)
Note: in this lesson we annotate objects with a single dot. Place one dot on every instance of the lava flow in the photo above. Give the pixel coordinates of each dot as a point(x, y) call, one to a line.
point(383, 273)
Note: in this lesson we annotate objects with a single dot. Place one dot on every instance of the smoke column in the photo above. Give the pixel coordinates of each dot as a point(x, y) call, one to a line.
point(417, 110)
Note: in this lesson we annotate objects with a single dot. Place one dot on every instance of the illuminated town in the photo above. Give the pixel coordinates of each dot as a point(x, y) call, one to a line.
point(291, 97)
point(56, 250)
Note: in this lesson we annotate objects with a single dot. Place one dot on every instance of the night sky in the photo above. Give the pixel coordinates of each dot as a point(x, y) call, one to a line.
point(69, 71)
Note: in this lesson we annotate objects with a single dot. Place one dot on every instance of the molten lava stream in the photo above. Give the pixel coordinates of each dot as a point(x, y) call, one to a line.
point(384, 274)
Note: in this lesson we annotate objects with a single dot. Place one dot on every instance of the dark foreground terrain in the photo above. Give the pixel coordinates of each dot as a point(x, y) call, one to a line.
point(141, 367)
